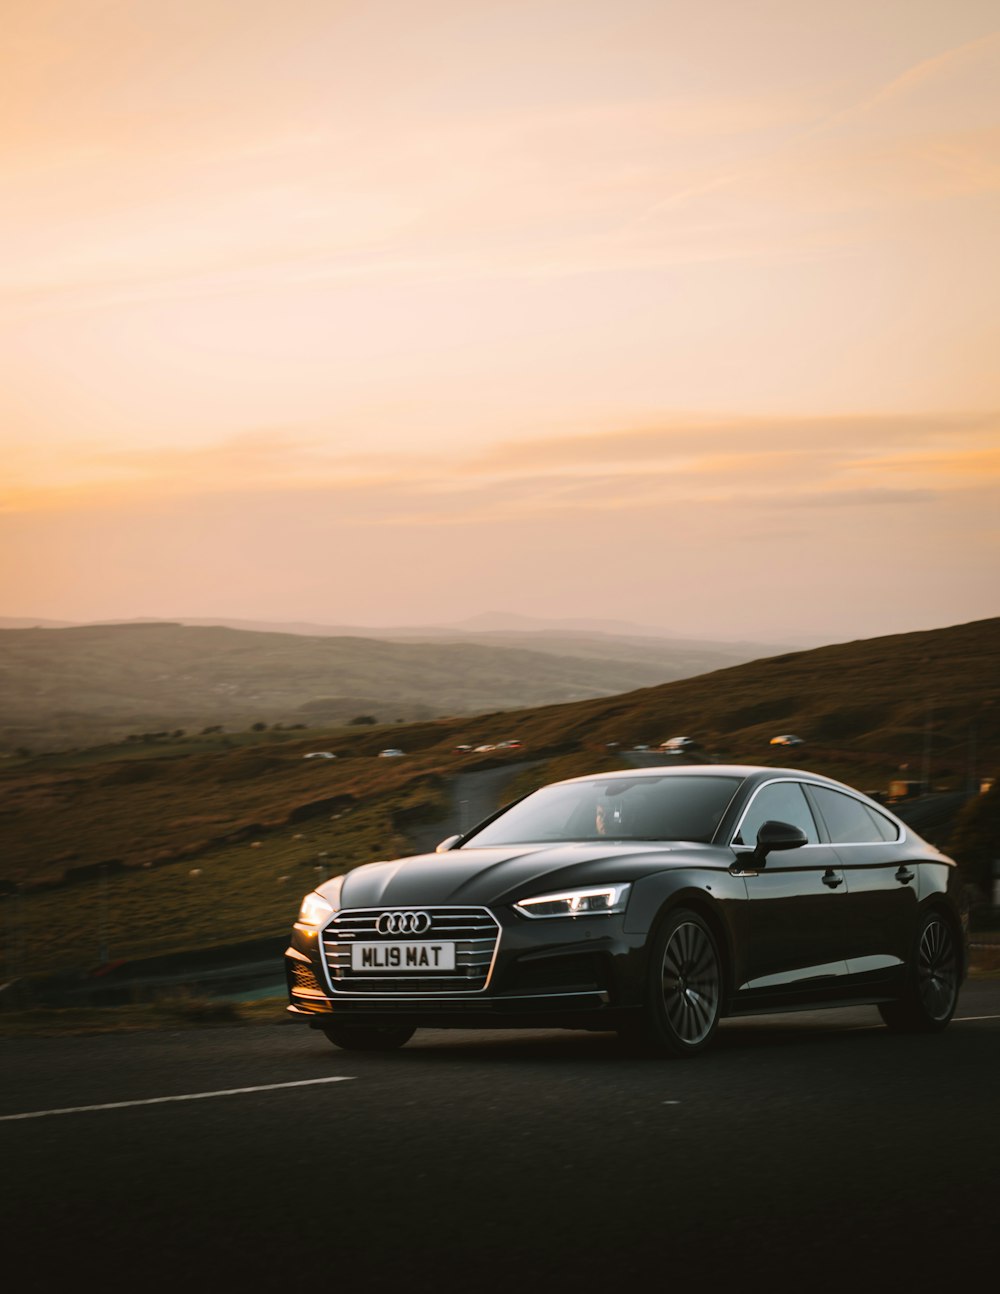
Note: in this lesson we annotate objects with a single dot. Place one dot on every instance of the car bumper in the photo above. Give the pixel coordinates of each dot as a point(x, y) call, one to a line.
point(576, 972)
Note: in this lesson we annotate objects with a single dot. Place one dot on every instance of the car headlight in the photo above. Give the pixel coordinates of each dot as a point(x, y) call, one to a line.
point(598, 901)
point(316, 909)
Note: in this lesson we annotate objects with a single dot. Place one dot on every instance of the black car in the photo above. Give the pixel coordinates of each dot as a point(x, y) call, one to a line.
point(652, 902)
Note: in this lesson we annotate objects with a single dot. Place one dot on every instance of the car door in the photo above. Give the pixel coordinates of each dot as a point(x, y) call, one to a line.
point(797, 925)
point(882, 885)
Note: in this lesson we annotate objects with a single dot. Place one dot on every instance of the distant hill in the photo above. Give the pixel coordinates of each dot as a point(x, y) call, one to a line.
point(474, 628)
point(75, 686)
point(606, 639)
point(506, 622)
point(929, 701)
point(26, 622)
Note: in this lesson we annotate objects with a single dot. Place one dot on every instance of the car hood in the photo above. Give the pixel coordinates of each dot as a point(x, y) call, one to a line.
point(504, 874)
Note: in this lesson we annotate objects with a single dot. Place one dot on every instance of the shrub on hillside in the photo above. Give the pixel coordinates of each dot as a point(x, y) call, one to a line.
point(975, 842)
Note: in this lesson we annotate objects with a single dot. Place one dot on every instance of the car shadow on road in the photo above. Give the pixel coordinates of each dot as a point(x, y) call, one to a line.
point(438, 1047)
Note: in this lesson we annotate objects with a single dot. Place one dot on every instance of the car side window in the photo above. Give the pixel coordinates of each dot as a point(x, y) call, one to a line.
point(777, 802)
point(886, 828)
point(850, 822)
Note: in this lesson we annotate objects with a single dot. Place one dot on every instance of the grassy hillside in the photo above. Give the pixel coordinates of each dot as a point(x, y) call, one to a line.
point(75, 686)
point(877, 703)
point(214, 838)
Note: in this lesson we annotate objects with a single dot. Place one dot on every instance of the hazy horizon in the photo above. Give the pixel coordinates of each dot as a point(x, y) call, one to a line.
point(371, 314)
point(485, 623)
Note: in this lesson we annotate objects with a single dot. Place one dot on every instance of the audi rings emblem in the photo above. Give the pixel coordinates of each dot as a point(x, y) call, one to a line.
point(403, 923)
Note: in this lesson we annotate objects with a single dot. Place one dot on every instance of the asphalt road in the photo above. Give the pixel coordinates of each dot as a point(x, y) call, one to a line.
point(807, 1152)
point(474, 796)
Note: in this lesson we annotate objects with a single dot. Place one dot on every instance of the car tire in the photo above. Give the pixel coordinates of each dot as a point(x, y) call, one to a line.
point(932, 983)
point(357, 1038)
point(684, 988)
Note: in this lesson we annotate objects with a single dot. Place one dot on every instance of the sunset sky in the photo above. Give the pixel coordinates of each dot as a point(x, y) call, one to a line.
point(680, 312)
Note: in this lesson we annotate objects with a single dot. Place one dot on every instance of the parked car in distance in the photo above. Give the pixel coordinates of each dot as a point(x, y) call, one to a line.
point(905, 789)
point(508, 745)
point(485, 747)
point(390, 753)
point(623, 901)
point(461, 750)
point(320, 754)
point(679, 743)
point(787, 739)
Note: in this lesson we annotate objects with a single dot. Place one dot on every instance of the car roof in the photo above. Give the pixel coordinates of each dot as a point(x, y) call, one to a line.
point(745, 772)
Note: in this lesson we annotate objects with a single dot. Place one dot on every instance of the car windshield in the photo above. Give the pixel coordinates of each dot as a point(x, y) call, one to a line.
point(646, 808)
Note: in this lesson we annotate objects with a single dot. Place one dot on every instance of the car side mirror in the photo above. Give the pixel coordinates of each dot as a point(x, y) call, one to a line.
point(449, 842)
point(776, 835)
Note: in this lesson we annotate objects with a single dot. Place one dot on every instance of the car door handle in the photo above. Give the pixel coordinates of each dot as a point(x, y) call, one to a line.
point(831, 878)
point(904, 875)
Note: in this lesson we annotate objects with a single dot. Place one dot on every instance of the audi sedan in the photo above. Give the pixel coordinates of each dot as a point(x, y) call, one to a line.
point(651, 902)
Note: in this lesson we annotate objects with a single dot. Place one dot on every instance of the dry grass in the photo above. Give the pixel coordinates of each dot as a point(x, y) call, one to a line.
point(177, 1010)
point(227, 894)
point(984, 962)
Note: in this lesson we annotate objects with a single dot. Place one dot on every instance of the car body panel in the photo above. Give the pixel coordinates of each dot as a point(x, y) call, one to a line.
point(881, 905)
point(498, 876)
point(798, 921)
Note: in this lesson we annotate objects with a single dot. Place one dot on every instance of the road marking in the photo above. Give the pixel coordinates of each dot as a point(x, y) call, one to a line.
point(161, 1100)
point(955, 1019)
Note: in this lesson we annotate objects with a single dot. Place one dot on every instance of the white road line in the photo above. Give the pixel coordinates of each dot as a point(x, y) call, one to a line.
point(955, 1019)
point(160, 1100)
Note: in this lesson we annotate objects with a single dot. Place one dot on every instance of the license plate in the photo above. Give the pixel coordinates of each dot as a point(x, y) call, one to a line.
point(423, 957)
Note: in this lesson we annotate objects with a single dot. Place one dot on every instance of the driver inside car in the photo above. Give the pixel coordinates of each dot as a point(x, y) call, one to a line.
point(607, 818)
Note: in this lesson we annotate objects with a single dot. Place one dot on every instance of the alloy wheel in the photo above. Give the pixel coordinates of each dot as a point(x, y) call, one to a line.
point(937, 970)
point(690, 983)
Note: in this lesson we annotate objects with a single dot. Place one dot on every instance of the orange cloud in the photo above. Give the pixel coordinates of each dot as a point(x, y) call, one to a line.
point(752, 464)
point(960, 468)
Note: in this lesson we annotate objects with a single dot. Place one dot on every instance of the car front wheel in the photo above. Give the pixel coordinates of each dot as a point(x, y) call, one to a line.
point(931, 994)
point(356, 1038)
point(684, 999)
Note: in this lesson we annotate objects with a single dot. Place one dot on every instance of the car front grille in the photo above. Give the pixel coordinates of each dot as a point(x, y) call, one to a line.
point(475, 933)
